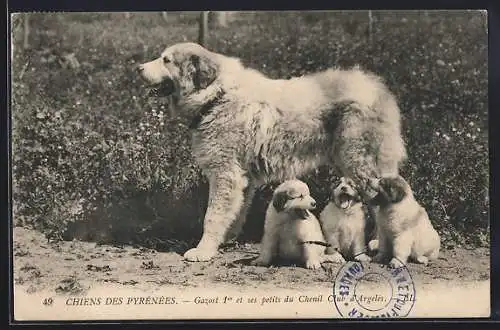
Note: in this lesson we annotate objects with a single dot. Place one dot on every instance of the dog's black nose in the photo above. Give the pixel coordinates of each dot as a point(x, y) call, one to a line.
point(139, 68)
point(343, 189)
point(313, 204)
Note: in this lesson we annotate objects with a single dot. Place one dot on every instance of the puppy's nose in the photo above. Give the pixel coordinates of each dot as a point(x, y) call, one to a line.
point(313, 204)
point(343, 189)
point(140, 68)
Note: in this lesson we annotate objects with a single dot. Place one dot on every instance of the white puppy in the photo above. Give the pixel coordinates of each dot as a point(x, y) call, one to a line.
point(343, 224)
point(403, 227)
point(291, 231)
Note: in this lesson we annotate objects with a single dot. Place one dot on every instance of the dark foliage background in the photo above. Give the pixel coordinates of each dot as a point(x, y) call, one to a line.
point(95, 159)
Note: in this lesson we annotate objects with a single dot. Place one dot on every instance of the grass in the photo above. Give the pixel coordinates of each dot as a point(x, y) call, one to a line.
point(93, 158)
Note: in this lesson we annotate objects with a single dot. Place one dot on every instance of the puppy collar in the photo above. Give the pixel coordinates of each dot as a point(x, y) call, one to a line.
point(206, 109)
point(316, 242)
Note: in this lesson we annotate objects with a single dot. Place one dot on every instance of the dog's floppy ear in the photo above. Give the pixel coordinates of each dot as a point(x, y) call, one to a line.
point(381, 198)
point(396, 192)
point(393, 188)
point(378, 200)
point(279, 200)
point(333, 185)
point(205, 71)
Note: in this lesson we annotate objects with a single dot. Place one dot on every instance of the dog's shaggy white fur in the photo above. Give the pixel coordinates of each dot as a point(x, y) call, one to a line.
point(403, 226)
point(343, 224)
point(249, 129)
point(291, 231)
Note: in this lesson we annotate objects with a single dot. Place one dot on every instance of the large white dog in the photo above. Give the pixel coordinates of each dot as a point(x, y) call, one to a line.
point(249, 129)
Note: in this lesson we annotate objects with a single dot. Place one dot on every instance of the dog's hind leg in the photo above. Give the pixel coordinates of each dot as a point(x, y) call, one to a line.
point(224, 204)
point(354, 155)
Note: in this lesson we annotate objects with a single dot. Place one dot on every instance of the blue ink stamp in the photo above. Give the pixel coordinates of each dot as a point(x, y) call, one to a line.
point(372, 290)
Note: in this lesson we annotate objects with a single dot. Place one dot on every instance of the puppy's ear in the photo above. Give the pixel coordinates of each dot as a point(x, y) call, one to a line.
point(395, 191)
point(333, 185)
point(205, 72)
point(378, 200)
point(279, 201)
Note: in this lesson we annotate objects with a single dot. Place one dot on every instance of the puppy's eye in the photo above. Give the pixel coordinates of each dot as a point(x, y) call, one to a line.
point(294, 196)
point(297, 196)
point(166, 60)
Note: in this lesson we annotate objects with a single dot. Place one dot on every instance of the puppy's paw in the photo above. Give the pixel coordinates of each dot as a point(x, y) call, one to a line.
point(380, 258)
point(313, 264)
point(373, 245)
point(335, 258)
point(261, 261)
point(423, 260)
point(362, 258)
point(196, 254)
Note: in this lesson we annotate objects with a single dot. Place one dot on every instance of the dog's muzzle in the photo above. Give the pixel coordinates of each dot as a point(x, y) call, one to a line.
point(345, 201)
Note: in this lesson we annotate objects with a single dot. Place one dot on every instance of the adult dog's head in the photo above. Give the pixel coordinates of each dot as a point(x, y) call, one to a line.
point(293, 196)
point(344, 195)
point(182, 70)
point(391, 190)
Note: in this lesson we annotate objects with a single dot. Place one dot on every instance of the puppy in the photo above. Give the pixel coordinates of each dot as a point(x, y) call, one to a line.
point(404, 230)
point(291, 231)
point(343, 224)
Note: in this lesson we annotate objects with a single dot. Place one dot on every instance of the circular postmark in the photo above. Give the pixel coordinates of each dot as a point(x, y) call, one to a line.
point(371, 290)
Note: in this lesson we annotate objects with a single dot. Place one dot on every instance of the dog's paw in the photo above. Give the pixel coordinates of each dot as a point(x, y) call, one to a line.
point(373, 245)
point(380, 258)
point(362, 258)
point(196, 254)
point(313, 264)
point(423, 260)
point(335, 258)
point(264, 262)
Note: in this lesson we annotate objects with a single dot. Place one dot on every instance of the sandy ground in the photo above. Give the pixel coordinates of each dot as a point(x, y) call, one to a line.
point(76, 268)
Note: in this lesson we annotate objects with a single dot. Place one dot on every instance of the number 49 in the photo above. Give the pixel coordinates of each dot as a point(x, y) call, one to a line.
point(48, 301)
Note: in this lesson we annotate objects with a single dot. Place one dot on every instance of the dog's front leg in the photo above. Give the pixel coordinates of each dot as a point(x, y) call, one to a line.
point(224, 204)
point(332, 253)
point(383, 248)
point(269, 243)
point(402, 248)
point(313, 256)
point(359, 248)
point(238, 224)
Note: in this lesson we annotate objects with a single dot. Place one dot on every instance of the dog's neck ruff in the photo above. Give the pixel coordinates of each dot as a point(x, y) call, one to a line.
point(206, 108)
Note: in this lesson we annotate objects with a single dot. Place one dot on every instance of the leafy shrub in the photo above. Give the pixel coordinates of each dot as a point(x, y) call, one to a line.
point(94, 159)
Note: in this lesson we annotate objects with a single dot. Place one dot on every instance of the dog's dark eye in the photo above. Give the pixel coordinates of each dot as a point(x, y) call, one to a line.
point(295, 196)
point(166, 60)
